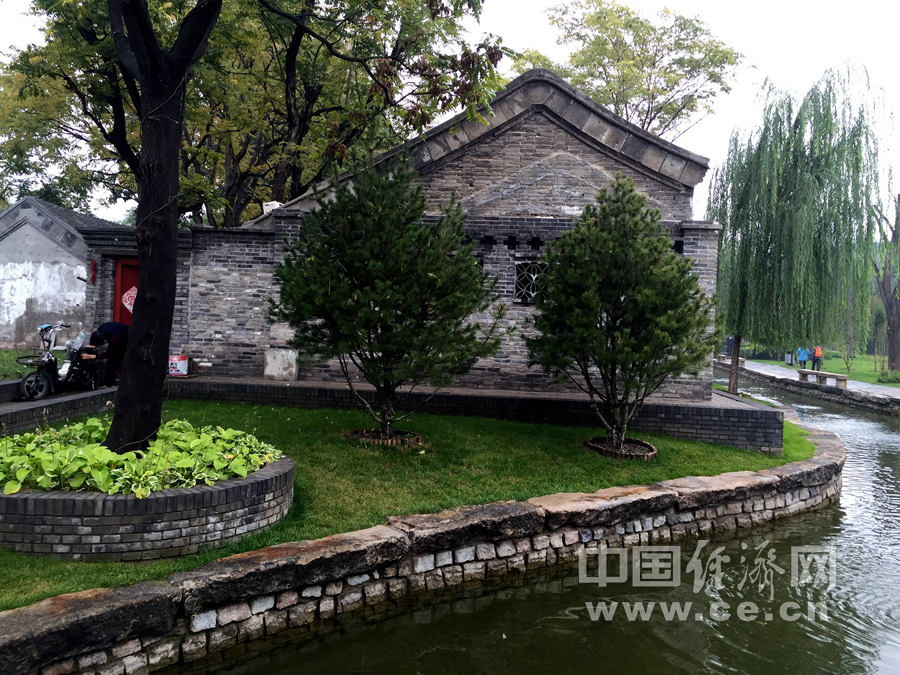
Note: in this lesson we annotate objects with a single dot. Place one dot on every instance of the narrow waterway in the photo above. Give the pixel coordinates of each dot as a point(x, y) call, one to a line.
point(755, 620)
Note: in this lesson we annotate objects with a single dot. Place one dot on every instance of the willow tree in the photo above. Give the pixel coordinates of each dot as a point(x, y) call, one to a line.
point(794, 201)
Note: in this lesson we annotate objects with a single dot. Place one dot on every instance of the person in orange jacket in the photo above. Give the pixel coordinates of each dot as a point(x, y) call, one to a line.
point(817, 358)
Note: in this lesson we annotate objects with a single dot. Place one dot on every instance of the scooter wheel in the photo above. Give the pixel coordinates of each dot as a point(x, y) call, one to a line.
point(35, 386)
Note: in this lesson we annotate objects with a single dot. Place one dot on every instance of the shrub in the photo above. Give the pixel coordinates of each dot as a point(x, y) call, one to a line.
point(181, 456)
point(372, 282)
point(618, 312)
point(889, 376)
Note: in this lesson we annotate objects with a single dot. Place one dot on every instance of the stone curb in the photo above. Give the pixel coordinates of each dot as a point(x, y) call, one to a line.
point(303, 586)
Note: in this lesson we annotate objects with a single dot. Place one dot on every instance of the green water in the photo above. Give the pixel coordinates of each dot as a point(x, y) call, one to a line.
point(545, 625)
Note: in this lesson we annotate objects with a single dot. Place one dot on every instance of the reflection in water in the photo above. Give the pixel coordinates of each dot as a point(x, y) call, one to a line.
point(545, 626)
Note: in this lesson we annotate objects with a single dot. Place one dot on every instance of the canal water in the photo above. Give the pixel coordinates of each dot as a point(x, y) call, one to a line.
point(735, 609)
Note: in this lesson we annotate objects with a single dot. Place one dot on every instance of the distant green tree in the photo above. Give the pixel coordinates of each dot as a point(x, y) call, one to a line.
point(661, 76)
point(386, 292)
point(795, 203)
point(619, 312)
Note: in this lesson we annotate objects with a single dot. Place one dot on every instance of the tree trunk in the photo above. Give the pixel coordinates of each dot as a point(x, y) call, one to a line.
point(161, 76)
point(735, 366)
point(387, 417)
point(893, 334)
point(140, 398)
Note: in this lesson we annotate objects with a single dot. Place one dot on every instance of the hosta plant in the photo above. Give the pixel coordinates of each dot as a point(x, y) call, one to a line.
point(181, 456)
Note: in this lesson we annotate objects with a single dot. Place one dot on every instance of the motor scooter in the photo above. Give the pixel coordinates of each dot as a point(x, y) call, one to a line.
point(79, 366)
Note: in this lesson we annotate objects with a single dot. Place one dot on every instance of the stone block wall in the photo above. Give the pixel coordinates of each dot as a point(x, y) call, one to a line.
point(854, 398)
point(301, 590)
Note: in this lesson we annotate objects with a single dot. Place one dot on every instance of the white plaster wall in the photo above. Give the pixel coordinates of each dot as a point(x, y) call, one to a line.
point(32, 293)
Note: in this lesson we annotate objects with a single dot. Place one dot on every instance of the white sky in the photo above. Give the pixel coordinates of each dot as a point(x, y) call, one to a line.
point(792, 42)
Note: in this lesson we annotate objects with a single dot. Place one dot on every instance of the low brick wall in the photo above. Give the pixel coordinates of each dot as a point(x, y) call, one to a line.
point(853, 398)
point(750, 426)
point(299, 590)
point(93, 527)
point(8, 390)
point(27, 415)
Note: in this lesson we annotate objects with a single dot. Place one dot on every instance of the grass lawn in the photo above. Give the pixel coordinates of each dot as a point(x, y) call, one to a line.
point(9, 369)
point(342, 486)
point(861, 370)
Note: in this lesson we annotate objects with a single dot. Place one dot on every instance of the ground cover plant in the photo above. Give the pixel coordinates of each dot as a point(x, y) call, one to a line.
point(863, 369)
point(342, 485)
point(181, 456)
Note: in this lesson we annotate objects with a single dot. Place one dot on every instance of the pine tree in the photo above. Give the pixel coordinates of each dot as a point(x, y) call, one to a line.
point(619, 312)
point(387, 292)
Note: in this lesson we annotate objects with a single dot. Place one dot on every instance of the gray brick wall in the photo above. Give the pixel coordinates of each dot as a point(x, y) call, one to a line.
point(95, 527)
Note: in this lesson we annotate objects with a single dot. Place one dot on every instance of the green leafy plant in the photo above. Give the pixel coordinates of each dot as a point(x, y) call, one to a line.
point(181, 456)
point(889, 376)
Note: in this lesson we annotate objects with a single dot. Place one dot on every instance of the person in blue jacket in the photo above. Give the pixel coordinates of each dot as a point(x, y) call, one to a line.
point(802, 356)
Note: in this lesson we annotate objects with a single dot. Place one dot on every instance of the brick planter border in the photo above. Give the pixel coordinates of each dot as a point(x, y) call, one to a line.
point(94, 527)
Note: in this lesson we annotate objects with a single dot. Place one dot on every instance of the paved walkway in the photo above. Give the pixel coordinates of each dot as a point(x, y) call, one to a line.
point(791, 373)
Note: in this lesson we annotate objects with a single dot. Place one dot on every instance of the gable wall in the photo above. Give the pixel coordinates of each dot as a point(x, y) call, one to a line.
point(38, 278)
point(572, 173)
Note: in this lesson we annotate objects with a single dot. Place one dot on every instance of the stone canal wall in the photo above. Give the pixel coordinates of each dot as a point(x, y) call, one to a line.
point(93, 527)
point(853, 398)
point(296, 591)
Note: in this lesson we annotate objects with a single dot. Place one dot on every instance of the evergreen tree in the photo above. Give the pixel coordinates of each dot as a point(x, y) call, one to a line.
point(374, 284)
point(619, 312)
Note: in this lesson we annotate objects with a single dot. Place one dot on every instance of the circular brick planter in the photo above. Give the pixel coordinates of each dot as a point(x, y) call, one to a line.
point(93, 527)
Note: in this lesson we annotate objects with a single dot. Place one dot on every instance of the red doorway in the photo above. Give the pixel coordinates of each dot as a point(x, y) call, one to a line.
point(125, 289)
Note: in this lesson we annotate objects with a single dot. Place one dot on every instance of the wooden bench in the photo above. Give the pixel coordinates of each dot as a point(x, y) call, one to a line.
point(822, 377)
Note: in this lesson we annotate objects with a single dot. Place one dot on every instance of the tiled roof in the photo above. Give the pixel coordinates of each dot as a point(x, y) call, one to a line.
point(79, 221)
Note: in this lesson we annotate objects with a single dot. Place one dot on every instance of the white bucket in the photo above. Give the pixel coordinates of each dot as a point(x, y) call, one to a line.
point(178, 365)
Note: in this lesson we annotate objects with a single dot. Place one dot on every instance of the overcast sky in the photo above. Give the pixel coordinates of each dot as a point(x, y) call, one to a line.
point(792, 42)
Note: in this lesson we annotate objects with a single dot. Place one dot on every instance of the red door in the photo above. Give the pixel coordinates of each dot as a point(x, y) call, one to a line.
point(125, 289)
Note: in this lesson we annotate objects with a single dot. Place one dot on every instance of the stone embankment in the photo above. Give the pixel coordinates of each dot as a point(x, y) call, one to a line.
point(854, 398)
point(300, 590)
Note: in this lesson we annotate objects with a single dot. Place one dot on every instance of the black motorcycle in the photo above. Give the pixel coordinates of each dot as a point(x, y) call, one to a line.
point(79, 367)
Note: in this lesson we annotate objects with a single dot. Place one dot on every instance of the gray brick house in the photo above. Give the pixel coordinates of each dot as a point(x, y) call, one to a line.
point(522, 178)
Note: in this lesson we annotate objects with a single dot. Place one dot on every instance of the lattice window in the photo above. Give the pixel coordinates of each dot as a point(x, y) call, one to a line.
point(527, 276)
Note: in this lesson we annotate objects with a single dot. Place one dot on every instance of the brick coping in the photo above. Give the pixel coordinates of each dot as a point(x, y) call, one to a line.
point(297, 590)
